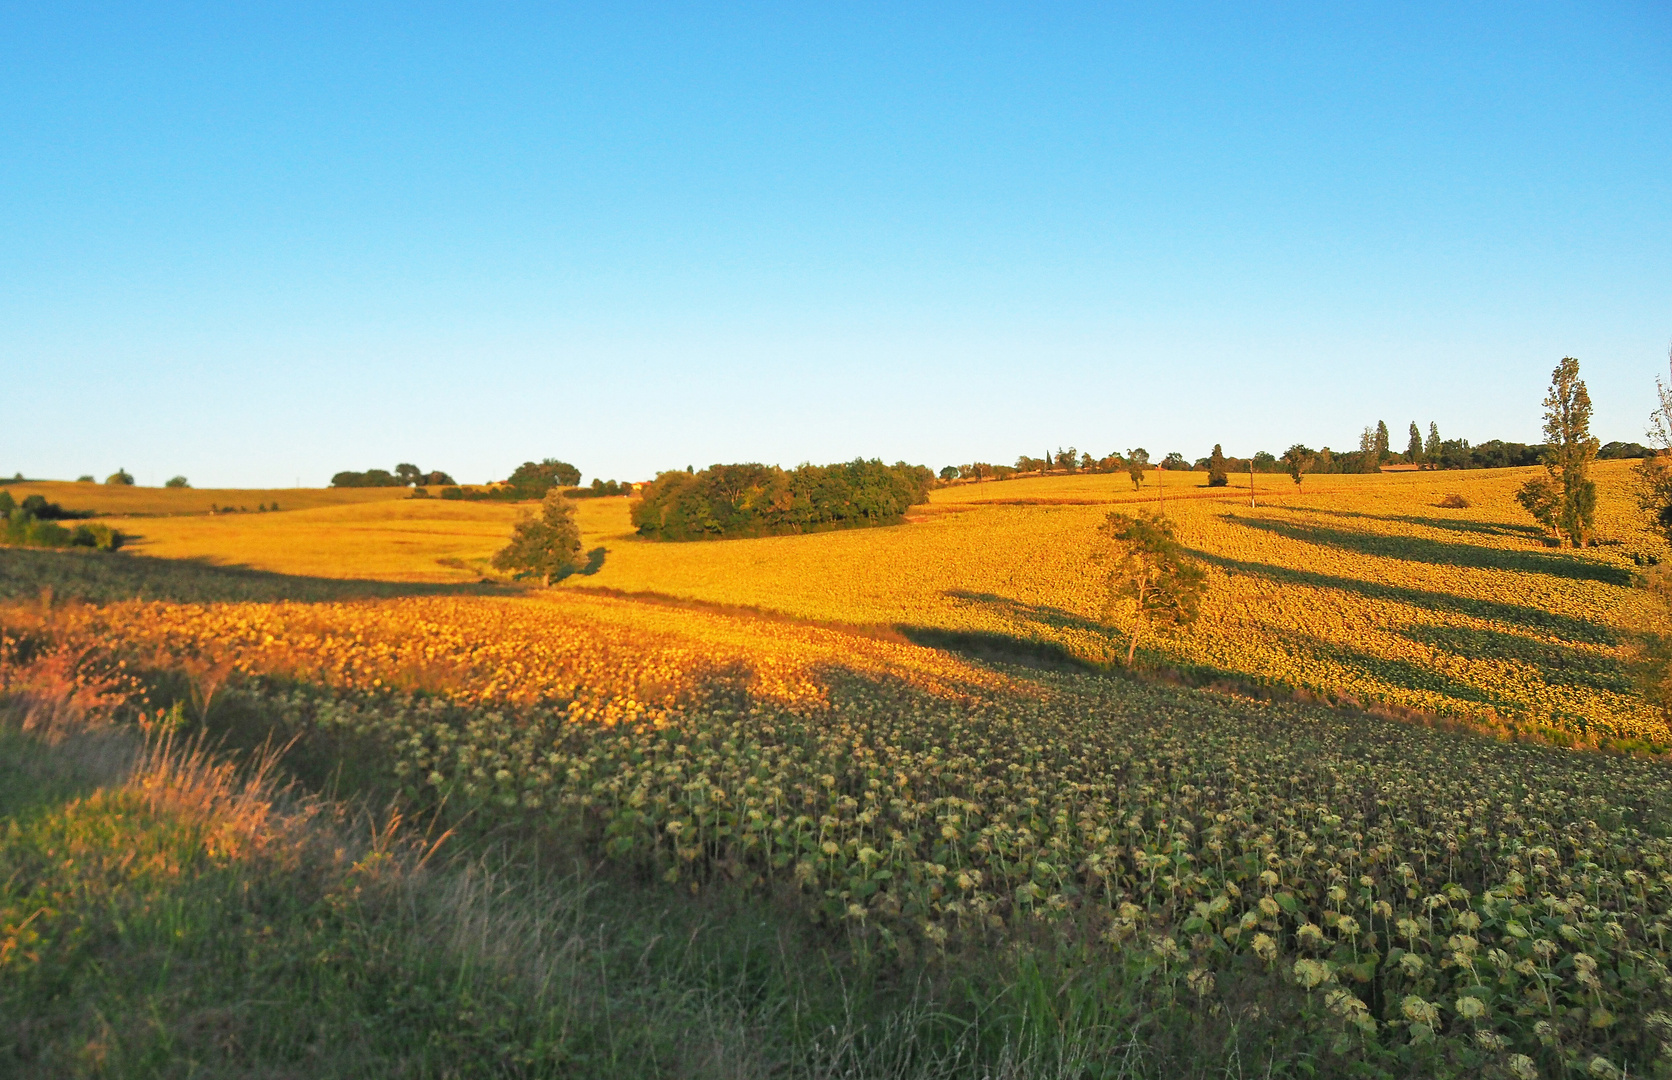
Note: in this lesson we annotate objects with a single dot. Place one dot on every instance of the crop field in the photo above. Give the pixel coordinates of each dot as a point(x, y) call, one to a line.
point(1355, 588)
point(1447, 900)
point(1509, 902)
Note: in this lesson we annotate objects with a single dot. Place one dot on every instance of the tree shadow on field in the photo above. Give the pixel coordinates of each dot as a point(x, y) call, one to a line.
point(1557, 666)
point(1531, 533)
point(1036, 651)
point(594, 561)
point(106, 577)
point(1403, 674)
point(1439, 553)
point(1564, 626)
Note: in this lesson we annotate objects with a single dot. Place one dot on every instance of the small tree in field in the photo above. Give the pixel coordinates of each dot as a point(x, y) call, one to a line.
point(1216, 468)
point(178, 482)
point(1137, 462)
point(1654, 472)
point(1564, 500)
point(1300, 460)
point(120, 478)
point(1153, 572)
point(547, 545)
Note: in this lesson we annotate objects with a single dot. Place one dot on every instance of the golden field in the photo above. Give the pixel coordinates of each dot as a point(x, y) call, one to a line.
point(1353, 588)
point(124, 499)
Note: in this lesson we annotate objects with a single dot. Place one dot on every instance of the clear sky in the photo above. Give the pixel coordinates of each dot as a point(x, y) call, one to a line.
point(255, 244)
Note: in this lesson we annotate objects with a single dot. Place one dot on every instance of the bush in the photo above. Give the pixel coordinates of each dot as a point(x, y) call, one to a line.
point(761, 500)
point(369, 478)
point(84, 478)
point(177, 482)
point(1454, 501)
point(120, 478)
point(547, 546)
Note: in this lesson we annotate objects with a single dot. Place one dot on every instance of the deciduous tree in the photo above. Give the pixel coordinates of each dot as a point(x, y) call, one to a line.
point(1300, 460)
point(547, 545)
point(1153, 573)
point(1137, 463)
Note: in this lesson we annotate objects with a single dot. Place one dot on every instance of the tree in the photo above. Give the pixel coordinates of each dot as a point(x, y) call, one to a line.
point(1381, 442)
point(1431, 448)
point(1216, 468)
point(407, 474)
point(950, 473)
point(548, 545)
point(1300, 460)
point(531, 481)
point(1564, 500)
point(177, 482)
point(120, 478)
point(1413, 449)
point(1137, 461)
point(437, 478)
point(1654, 472)
point(1153, 572)
point(1367, 450)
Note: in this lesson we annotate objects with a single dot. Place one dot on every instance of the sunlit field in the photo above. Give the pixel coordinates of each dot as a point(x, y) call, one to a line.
point(920, 736)
point(1353, 587)
point(125, 499)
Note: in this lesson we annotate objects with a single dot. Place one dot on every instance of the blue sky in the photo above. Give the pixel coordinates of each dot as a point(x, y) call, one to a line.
point(256, 247)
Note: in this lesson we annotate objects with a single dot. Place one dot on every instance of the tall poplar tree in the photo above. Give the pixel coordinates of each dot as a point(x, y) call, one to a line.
point(1564, 500)
point(1413, 448)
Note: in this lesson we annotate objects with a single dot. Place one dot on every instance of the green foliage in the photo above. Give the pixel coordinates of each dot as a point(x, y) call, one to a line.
point(405, 475)
point(120, 478)
point(370, 478)
point(1413, 446)
point(1300, 460)
point(1216, 468)
point(546, 546)
point(33, 523)
point(599, 489)
point(1137, 462)
point(949, 473)
point(177, 482)
point(1564, 500)
point(763, 500)
point(1153, 572)
point(532, 481)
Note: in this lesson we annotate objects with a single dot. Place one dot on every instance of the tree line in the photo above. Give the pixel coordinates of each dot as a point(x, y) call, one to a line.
point(765, 500)
point(1373, 452)
point(405, 475)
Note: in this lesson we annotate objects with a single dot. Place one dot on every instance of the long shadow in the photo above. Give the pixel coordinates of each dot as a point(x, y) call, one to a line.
point(1457, 525)
point(1557, 666)
point(1439, 553)
point(1564, 626)
point(104, 577)
point(1404, 674)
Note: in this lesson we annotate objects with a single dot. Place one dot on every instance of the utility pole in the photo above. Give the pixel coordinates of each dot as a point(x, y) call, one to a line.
point(1251, 483)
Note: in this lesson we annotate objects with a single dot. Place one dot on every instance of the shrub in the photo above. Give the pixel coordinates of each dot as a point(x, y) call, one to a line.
point(84, 478)
point(177, 482)
point(454, 492)
point(120, 478)
point(1453, 501)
